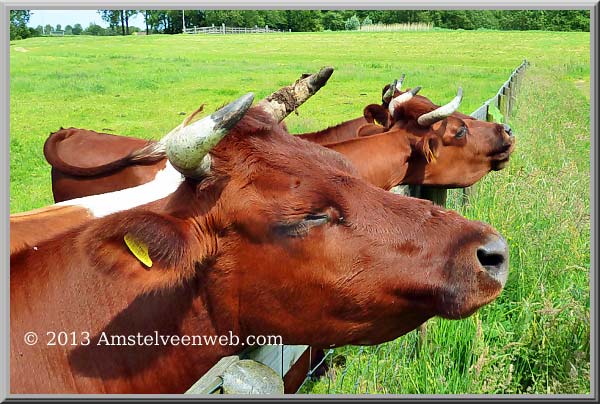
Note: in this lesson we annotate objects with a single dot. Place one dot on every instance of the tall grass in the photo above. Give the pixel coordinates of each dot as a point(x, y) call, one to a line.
point(535, 337)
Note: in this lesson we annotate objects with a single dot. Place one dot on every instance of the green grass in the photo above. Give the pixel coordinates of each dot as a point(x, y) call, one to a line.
point(535, 337)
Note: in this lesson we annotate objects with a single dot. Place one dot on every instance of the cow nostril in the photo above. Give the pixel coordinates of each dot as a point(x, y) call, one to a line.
point(508, 130)
point(493, 256)
point(489, 259)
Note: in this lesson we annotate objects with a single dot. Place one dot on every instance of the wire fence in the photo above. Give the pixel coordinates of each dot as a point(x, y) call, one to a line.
point(381, 369)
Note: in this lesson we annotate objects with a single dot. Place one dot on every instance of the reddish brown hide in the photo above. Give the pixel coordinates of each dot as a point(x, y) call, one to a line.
point(351, 129)
point(115, 168)
point(86, 163)
point(29, 228)
point(452, 153)
point(279, 239)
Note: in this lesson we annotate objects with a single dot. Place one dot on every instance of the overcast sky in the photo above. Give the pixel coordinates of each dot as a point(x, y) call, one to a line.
point(72, 17)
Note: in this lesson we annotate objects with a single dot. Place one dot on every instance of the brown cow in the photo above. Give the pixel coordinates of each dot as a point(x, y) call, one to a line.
point(449, 149)
point(29, 229)
point(267, 235)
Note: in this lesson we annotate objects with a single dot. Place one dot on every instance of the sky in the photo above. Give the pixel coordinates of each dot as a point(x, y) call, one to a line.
point(72, 17)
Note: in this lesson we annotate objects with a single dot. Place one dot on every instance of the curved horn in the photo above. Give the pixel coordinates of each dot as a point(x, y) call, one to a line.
point(188, 145)
point(402, 98)
point(400, 81)
point(387, 96)
point(441, 112)
point(285, 100)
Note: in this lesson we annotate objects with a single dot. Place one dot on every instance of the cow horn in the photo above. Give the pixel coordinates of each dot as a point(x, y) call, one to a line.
point(285, 100)
point(387, 96)
point(187, 148)
point(402, 98)
point(399, 82)
point(441, 112)
point(162, 142)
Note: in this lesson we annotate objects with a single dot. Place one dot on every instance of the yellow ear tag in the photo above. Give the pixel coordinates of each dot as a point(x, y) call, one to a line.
point(376, 122)
point(139, 249)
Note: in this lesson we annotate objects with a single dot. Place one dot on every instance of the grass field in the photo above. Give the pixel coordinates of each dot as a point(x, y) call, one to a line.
point(535, 337)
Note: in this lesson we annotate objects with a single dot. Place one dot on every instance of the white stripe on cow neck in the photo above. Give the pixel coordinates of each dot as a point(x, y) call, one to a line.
point(165, 183)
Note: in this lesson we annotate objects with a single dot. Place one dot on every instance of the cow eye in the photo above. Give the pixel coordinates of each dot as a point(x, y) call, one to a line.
point(461, 132)
point(302, 227)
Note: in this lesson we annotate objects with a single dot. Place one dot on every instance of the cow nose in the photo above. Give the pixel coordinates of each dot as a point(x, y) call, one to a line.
point(508, 130)
point(493, 256)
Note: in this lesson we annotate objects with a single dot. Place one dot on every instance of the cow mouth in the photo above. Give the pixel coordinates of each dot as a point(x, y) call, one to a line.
point(500, 157)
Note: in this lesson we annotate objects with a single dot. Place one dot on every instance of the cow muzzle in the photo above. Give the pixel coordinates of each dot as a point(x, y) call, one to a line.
point(493, 257)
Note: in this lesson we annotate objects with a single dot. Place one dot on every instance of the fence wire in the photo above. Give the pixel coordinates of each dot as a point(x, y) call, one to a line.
point(378, 369)
point(362, 369)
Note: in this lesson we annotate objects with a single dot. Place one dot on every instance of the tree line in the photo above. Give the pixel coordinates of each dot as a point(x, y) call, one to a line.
point(171, 21)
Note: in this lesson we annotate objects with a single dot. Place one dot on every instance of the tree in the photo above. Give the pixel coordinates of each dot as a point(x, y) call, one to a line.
point(274, 18)
point(94, 29)
point(68, 30)
point(48, 29)
point(333, 20)
point(77, 29)
point(114, 18)
point(252, 18)
point(58, 27)
point(18, 24)
point(231, 18)
point(304, 20)
point(367, 21)
point(352, 23)
point(127, 14)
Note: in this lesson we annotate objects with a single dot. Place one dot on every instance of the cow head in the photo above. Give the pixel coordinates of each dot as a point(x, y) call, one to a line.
point(283, 238)
point(449, 148)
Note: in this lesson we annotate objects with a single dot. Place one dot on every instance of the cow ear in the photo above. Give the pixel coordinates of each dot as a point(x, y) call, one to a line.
point(148, 250)
point(378, 115)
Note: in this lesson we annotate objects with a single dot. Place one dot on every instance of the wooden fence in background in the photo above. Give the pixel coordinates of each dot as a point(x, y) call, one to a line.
point(416, 26)
point(261, 370)
point(222, 29)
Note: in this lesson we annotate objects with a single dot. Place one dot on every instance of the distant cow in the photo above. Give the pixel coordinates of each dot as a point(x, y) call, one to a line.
point(449, 149)
point(267, 235)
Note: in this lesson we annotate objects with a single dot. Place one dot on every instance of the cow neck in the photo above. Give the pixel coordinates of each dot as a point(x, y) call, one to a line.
point(381, 159)
point(339, 133)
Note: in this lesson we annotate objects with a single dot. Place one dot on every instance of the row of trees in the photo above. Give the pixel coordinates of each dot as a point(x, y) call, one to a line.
point(77, 29)
point(171, 21)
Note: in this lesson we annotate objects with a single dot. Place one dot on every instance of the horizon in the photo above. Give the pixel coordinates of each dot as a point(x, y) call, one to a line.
point(72, 17)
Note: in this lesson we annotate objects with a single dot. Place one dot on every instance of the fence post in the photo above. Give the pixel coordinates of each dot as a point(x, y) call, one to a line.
point(223, 27)
point(233, 375)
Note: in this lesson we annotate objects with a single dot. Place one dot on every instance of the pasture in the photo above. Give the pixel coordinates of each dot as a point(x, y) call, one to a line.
point(536, 337)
